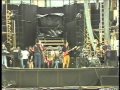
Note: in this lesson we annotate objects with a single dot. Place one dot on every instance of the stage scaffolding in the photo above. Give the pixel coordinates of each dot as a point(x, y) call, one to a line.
point(10, 27)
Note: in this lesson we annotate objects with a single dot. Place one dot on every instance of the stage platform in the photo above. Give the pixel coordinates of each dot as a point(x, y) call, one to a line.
point(69, 88)
point(44, 77)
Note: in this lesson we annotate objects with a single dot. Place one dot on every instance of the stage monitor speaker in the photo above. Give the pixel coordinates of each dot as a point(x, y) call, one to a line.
point(113, 55)
point(94, 62)
point(4, 67)
point(72, 63)
point(110, 80)
point(113, 58)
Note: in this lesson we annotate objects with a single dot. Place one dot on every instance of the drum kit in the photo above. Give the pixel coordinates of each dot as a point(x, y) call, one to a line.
point(51, 54)
point(92, 60)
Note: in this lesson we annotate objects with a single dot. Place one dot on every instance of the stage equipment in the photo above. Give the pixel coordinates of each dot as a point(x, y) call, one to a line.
point(84, 62)
point(27, 25)
point(52, 49)
point(10, 30)
point(94, 62)
point(8, 25)
point(113, 61)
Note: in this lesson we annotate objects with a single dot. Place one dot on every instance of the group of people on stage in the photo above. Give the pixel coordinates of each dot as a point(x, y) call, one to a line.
point(35, 57)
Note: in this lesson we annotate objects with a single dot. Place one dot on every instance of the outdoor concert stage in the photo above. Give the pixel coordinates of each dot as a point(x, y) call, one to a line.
point(89, 76)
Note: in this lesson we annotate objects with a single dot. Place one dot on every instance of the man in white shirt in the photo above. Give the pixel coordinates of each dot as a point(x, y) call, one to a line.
point(25, 55)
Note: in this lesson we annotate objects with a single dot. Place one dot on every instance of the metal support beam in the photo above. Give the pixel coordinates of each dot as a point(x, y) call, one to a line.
point(117, 12)
point(106, 20)
point(14, 38)
point(88, 23)
point(6, 17)
point(45, 3)
point(101, 23)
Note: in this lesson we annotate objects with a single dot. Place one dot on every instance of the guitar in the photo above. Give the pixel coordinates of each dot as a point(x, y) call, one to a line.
point(66, 53)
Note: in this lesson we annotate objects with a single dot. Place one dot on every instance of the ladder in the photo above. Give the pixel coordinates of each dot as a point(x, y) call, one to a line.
point(101, 25)
point(101, 15)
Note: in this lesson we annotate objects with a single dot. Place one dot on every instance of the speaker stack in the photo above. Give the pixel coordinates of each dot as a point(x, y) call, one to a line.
point(113, 58)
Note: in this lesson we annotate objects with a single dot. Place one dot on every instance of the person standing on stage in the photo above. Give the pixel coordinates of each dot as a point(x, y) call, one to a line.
point(66, 56)
point(20, 60)
point(4, 52)
point(106, 51)
point(57, 61)
point(25, 55)
point(30, 57)
point(38, 56)
point(31, 52)
point(77, 53)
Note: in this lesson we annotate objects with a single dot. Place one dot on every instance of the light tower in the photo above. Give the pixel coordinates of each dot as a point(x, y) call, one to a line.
point(10, 27)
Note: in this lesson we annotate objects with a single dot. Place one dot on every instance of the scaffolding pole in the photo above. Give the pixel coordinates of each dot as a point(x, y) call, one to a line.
point(117, 12)
point(14, 38)
point(6, 19)
point(106, 21)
